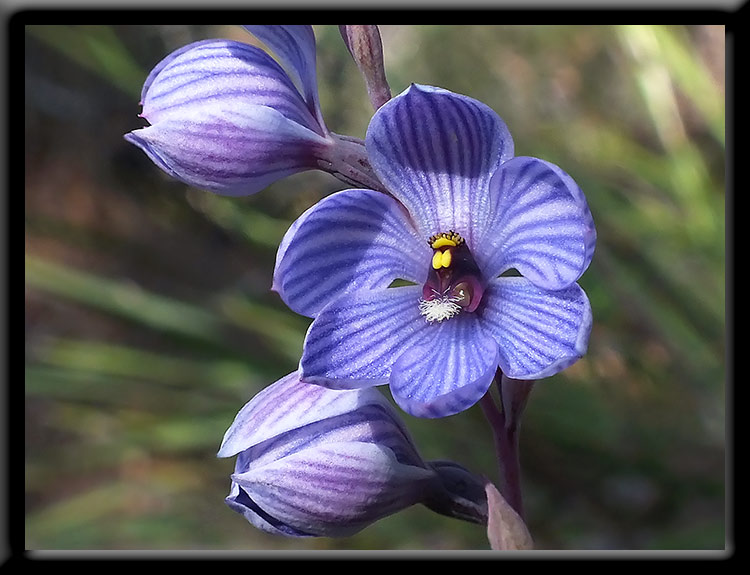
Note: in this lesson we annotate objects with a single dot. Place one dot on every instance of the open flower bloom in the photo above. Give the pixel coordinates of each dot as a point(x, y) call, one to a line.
point(462, 211)
point(224, 116)
point(318, 462)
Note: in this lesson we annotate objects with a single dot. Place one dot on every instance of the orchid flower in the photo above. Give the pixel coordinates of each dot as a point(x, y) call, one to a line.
point(462, 219)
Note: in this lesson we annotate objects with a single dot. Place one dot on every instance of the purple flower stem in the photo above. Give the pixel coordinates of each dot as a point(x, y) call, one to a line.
point(505, 424)
point(347, 160)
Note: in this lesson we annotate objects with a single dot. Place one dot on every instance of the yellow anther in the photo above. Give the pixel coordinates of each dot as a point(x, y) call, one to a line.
point(437, 260)
point(441, 259)
point(442, 242)
point(445, 259)
point(443, 239)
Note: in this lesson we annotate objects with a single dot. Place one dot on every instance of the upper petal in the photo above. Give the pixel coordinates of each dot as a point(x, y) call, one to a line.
point(539, 332)
point(156, 70)
point(218, 76)
point(354, 340)
point(294, 46)
point(449, 373)
point(290, 404)
point(350, 240)
point(436, 151)
point(541, 225)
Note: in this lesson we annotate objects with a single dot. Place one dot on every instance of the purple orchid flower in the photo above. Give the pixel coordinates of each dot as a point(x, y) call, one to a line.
point(226, 117)
point(317, 462)
point(462, 213)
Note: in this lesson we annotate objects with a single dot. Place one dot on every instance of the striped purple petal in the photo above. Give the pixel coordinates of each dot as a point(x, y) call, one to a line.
point(335, 489)
point(156, 71)
point(289, 404)
point(447, 374)
point(539, 332)
point(541, 225)
point(230, 152)
point(354, 341)
point(217, 76)
point(368, 423)
point(240, 501)
point(350, 240)
point(436, 151)
point(294, 46)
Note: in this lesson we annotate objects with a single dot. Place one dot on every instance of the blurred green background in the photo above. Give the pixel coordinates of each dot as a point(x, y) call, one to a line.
point(150, 320)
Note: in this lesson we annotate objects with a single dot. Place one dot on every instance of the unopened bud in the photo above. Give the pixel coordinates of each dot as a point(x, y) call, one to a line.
point(313, 461)
point(366, 48)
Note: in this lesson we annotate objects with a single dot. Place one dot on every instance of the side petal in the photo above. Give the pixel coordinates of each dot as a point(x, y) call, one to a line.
point(354, 340)
point(539, 332)
point(216, 76)
point(229, 152)
point(335, 489)
point(350, 240)
point(435, 151)
point(290, 404)
point(541, 225)
point(294, 46)
point(448, 374)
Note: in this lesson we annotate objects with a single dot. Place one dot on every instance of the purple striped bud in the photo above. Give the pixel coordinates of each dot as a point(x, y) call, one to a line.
point(224, 116)
point(318, 462)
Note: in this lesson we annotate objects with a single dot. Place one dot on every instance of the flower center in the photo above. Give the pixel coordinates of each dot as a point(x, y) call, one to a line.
point(454, 281)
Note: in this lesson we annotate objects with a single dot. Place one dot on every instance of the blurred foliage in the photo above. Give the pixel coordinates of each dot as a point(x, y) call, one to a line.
point(150, 321)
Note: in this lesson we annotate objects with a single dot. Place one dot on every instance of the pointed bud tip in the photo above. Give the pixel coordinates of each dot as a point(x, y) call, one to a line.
point(506, 531)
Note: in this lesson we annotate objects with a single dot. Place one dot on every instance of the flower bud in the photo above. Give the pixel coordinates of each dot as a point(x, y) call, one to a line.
point(366, 48)
point(224, 116)
point(318, 462)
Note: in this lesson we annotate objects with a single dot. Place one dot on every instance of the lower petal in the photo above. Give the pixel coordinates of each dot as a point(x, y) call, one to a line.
point(335, 490)
point(355, 339)
point(448, 374)
point(539, 332)
point(230, 152)
point(239, 501)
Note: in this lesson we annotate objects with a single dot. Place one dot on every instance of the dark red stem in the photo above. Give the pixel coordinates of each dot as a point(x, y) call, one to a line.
point(505, 433)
